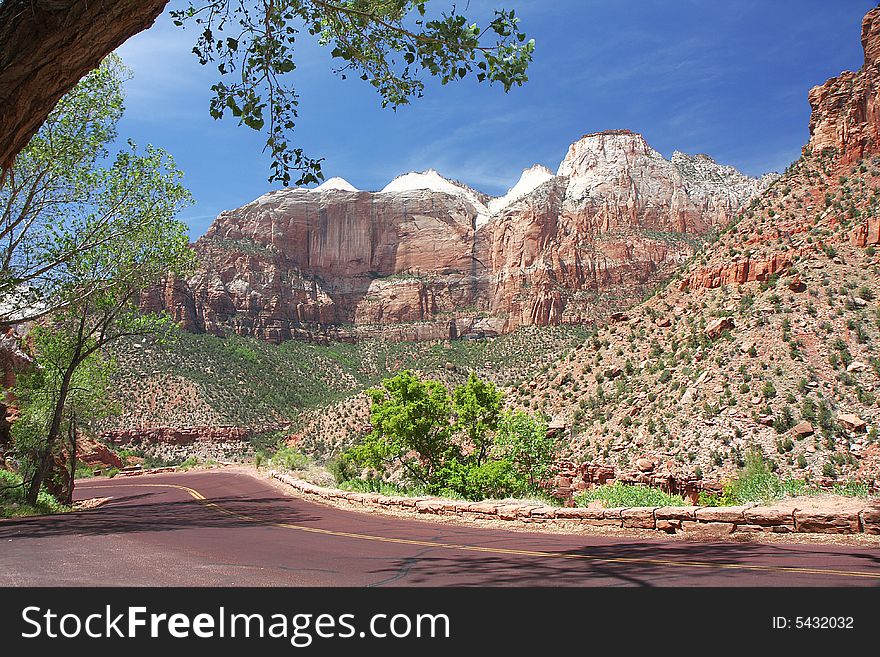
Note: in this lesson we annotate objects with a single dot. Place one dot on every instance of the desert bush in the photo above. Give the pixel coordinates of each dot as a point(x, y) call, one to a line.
point(289, 458)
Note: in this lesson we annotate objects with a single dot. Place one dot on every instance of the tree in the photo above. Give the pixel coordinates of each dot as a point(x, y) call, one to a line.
point(464, 446)
point(84, 235)
point(523, 440)
point(103, 287)
point(62, 200)
point(476, 405)
point(38, 393)
point(47, 45)
point(411, 427)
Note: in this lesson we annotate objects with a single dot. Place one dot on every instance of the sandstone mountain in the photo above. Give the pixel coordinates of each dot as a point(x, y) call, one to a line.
point(768, 338)
point(429, 258)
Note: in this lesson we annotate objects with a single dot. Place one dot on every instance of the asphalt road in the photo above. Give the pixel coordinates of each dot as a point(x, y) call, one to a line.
point(216, 528)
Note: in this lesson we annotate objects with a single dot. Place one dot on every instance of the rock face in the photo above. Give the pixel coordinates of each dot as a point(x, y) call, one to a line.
point(429, 258)
point(845, 110)
point(737, 272)
point(175, 435)
point(844, 128)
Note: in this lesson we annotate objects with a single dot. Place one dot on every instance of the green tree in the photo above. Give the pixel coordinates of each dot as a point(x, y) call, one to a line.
point(390, 44)
point(86, 235)
point(38, 392)
point(411, 427)
point(522, 439)
point(476, 405)
point(459, 446)
point(91, 320)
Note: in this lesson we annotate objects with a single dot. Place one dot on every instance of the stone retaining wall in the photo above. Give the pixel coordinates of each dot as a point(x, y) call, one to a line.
point(686, 520)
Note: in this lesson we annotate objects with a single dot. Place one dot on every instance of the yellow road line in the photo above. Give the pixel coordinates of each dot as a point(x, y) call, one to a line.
point(507, 551)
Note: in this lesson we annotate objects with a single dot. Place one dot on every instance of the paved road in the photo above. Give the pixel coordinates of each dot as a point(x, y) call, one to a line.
point(221, 528)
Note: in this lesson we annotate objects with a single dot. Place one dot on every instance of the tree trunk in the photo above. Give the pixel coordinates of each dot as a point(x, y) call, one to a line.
point(47, 46)
point(71, 435)
point(42, 468)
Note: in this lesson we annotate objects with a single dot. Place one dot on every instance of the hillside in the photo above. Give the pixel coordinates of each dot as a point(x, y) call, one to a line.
point(767, 337)
point(204, 381)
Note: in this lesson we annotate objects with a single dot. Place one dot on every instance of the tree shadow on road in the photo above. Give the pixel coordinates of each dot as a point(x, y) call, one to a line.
point(127, 515)
point(643, 564)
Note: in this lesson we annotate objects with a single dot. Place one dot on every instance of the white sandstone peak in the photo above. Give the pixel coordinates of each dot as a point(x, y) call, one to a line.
point(531, 179)
point(336, 183)
point(429, 179)
point(433, 181)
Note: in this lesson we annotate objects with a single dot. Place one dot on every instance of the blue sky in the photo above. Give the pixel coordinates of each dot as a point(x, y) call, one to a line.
point(729, 79)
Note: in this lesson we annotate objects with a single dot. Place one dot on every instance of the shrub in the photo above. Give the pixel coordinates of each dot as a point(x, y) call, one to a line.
point(289, 458)
point(494, 479)
point(188, 463)
point(708, 499)
point(373, 485)
point(754, 483)
point(341, 468)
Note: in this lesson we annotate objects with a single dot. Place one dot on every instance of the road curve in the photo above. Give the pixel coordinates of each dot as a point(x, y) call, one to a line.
point(216, 528)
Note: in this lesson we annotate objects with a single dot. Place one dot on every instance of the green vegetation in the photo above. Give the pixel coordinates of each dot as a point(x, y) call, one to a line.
point(88, 236)
point(757, 483)
point(13, 502)
point(263, 383)
point(460, 445)
point(619, 495)
point(374, 485)
point(289, 458)
point(388, 44)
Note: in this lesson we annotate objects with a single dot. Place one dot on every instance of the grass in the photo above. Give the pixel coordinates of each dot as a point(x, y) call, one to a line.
point(620, 495)
point(12, 502)
point(289, 458)
point(756, 483)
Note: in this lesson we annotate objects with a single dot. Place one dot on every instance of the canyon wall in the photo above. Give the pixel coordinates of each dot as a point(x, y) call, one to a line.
point(429, 258)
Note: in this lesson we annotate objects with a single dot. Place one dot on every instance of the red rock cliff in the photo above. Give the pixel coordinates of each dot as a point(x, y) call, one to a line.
point(429, 258)
point(845, 110)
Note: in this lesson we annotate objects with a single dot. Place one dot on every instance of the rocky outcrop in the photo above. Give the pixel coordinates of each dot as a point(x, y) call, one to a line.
point(844, 128)
point(428, 258)
point(175, 436)
point(867, 233)
point(94, 453)
point(745, 270)
point(845, 110)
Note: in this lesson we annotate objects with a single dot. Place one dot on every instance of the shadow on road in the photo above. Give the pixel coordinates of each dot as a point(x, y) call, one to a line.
point(569, 560)
point(127, 515)
point(639, 564)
